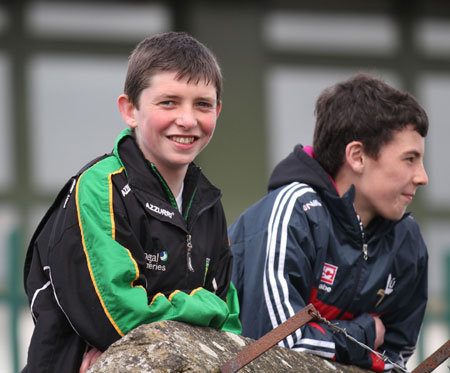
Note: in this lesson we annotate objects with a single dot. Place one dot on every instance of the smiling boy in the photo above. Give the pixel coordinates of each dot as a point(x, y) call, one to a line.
point(333, 231)
point(173, 121)
point(138, 235)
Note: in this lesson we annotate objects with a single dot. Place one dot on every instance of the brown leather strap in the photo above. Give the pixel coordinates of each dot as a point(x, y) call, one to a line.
point(269, 340)
point(434, 360)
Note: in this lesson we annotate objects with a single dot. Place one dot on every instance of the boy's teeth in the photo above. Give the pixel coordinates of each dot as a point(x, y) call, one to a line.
point(183, 140)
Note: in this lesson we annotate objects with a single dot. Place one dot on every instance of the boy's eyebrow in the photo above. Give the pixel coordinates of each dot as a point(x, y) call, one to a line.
point(414, 153)
point(207, 98)
point(166, 95)
point(173, 96)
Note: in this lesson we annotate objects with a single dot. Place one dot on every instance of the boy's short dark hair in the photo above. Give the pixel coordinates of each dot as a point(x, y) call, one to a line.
point(362, 108)
point(171, 51)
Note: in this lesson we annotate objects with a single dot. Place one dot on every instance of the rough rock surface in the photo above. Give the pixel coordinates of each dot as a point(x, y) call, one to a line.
point(170, 346)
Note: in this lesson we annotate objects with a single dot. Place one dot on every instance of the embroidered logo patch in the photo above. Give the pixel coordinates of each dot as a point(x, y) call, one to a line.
point(153, 261)
point(314, 203)
point(328, 273)
point(125, 190)
point(159, 210)
point(390, 283)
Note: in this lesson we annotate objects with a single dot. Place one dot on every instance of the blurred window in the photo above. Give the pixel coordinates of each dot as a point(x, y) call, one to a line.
point(75, 116)
point(435, 97)
point(6, 177)
point(291, 93)
point(438, 242)
point(433, 37)
point(337, 33)
point(92, 20)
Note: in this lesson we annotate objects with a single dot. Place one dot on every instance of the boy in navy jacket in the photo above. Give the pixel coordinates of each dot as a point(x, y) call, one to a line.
point(333, 231)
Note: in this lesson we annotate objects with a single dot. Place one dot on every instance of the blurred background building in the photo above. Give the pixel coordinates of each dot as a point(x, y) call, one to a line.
point(62, 67)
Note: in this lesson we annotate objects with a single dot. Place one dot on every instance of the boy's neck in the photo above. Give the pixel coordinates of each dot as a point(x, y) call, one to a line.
point(173, 177)
point(344, 179)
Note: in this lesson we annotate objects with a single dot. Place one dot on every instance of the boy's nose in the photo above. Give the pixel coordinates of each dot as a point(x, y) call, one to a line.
point(186, 118)
point(421, 177)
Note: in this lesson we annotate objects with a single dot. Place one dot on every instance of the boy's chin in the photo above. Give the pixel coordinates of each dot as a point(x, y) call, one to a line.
point(181, 163)
point(395, 216)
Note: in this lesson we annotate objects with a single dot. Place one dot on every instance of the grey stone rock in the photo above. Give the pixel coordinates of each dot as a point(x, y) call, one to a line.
point(170, 346)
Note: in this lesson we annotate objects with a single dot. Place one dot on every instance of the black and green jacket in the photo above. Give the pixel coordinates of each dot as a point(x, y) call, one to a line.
point(113, 252)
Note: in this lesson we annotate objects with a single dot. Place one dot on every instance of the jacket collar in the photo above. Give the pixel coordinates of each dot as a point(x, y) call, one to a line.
point(343, 211)
point(300, 166)
point(145, 180)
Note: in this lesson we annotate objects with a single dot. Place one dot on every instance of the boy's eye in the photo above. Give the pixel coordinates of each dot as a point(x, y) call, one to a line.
point(167, 103)
point(205, 104)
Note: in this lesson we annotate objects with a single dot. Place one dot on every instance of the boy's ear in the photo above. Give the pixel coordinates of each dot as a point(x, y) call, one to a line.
point(218, 108)
point(354, 156)
point(127, 110)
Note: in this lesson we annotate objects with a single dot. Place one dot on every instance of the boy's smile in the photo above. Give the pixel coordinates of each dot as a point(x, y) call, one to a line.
point(175, 121)
point(183, 140)
point(388, 183)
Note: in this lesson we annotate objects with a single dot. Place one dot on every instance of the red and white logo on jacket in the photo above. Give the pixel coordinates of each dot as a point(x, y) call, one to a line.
point(328, 273)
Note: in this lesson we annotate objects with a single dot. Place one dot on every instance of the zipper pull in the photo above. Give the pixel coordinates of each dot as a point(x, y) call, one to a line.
point(365, 251)
point(206, 270)
point(189, 249)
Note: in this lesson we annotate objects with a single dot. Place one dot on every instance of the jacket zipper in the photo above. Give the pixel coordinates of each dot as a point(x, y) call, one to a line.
point(365, 251)
point(188, 253)
point(189, 246)
point(174, 205)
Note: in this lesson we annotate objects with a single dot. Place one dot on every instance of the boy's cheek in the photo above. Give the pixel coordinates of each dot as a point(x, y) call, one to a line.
point(209, 126)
